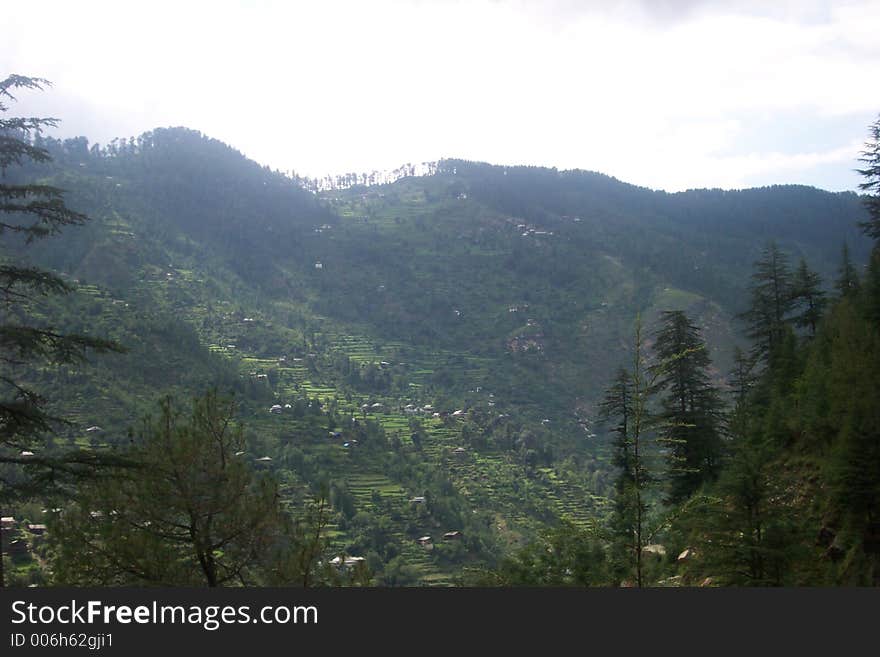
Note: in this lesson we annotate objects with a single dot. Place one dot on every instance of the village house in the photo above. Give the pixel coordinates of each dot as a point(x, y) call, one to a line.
point(655, 549)
point(346, 563)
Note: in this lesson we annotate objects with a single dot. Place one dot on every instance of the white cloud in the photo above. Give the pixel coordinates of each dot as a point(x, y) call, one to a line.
point(657, 93)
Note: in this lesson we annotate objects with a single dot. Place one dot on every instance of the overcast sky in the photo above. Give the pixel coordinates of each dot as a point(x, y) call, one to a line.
point(662, 93)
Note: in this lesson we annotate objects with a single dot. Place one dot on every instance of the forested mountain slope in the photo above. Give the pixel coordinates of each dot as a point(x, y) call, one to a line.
point(436, 347)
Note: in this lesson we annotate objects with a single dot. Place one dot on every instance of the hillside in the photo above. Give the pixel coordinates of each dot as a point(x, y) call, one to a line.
point(436, 347)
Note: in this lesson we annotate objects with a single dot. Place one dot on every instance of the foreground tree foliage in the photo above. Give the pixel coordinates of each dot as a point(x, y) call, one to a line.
point(871, 183)
point(192, 512)
point(562, 556)
point(29, 212)
point(799, 501)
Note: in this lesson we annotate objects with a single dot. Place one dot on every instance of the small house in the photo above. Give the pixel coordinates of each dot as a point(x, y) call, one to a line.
point(276, 408)
point(425, 542)
point(452, 536)
point(94, 429)
point(7, 523)
point(346, 562)
point(655, 549)
point(37, 530)
point(417, 500)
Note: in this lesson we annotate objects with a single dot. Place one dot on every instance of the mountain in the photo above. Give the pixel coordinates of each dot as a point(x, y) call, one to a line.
point(436, 346)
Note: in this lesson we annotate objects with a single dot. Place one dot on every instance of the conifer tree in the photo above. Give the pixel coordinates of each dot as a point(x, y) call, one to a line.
point(617, 404)
point(29, 212)
point(629, 400)
point(743, 377)
point(872, 288)
point(691, 415)
point(808, 295)
point(847, 283)
point(771, 301)
point(871, 184)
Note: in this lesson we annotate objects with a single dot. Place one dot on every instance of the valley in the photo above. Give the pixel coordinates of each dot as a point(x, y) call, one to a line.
point(427, 355)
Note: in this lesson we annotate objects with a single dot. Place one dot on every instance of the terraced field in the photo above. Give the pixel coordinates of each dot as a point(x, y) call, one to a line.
point(482, 479)
point(476, 476)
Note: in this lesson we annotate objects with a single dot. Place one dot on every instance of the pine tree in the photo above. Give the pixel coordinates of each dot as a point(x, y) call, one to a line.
point(871, 288)
point(692, 408)
point(847, 283)
point(743, 377)
point(871, 185)
point(853, 385)
point(771, 301)
point(808, 295)
point(617, 404)
point(628, 400)
point(31, 212)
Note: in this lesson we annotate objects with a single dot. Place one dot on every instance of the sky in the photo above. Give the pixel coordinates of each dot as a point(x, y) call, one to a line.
point(664, 94)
